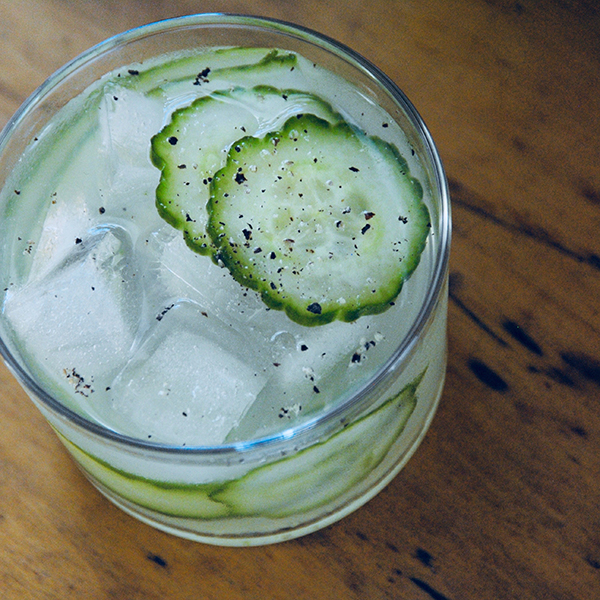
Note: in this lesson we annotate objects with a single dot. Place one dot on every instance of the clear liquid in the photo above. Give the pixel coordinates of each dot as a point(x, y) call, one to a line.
point(113, 313)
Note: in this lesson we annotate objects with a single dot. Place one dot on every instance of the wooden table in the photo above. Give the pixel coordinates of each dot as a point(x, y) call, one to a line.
point(502, 500)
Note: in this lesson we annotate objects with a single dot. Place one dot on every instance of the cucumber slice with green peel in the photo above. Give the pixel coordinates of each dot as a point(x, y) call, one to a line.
point(324, 221)
point(176, 500)
point(199, 69)
point(194, 145)
point(292, 485)
point(325, 471)
point(275, 69)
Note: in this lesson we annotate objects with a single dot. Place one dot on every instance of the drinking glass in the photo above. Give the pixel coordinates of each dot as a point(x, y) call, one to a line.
point(296, 479)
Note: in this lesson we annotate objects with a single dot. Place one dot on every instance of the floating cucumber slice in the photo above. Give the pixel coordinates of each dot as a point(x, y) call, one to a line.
point(289, 486)
point(194, 145)
point(323, 220)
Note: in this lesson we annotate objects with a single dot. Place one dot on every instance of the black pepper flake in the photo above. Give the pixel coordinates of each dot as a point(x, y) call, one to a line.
point(173, 140)
point(303, 347)
point(160, 316)
point(384, 125)
point(314, 308)
point(182, 166)
point(365, 229)
point(240, 178)
point(78, 240)
point(133, 72)
point(316, 389)
point(18, 192)
point(79, 383)
point(356, 357)
point(247, 234)
point(102, 210)
point(257, 250)
point(272, 255)
point(403, 219)
point(369, 215)
point(202, 77)
point(354, 169)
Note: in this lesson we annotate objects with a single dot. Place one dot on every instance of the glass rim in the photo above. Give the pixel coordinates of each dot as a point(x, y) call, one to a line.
point(441, 259)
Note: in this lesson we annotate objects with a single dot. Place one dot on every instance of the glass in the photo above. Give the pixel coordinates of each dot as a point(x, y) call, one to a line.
point(293, 479)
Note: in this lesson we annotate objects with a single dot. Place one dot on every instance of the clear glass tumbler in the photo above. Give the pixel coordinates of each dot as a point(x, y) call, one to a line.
point(291, 480)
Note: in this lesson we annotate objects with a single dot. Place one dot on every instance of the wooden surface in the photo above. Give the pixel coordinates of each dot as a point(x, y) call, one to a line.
point(502, 500)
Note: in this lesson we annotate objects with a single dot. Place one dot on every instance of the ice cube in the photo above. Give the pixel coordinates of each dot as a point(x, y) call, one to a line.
point(188, 383)
point(65, 221)
point(127, 122)
point(312, 367)
point(181, 273)
point(81, 318)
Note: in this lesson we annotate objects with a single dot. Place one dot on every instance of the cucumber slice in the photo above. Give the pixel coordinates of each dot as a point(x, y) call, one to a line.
point(286, 487)
point(276, 68)
point(319, 474)
point(194, 145)
point(180, 72)
point(324, 221)
point(176, 500)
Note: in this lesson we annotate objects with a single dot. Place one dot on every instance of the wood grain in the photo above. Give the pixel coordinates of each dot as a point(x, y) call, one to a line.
point(502, 499)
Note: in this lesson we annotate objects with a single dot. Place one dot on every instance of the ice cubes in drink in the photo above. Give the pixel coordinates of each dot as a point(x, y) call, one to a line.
point(303, 369)
point(81, 317)
point(189, 381)
point(127, 121)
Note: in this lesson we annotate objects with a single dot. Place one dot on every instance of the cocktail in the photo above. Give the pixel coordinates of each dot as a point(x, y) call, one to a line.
point(223, 252)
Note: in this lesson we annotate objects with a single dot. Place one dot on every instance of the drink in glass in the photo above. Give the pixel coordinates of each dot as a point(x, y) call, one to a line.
point(223, 251)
